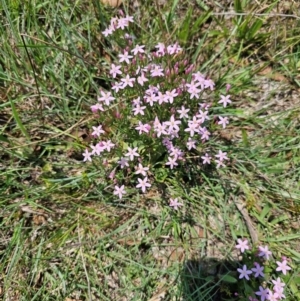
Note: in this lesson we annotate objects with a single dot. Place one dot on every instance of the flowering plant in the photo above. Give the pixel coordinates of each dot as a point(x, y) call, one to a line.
point(158, 115)
point(260, 276)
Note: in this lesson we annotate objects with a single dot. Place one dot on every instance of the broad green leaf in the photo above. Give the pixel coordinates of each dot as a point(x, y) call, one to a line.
point(229, 279)
point(293, 287)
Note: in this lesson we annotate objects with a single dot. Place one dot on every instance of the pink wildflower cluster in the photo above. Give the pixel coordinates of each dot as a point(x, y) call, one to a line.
point(162, 107)
point(117, 23)
point(276, 291)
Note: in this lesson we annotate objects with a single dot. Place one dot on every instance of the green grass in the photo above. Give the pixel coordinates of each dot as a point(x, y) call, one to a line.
point(62, 234)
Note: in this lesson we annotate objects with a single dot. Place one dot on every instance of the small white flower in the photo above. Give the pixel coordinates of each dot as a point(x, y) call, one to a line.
point(143, 184)
point(119, 191)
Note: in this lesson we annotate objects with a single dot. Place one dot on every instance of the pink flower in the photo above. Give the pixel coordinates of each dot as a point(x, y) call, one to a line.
point(138, 49)
point(136, 101)
point(87, 156)
point(183, 112)
point(122, 23)
point(278, 284)
point(173, 49)
point(225, 100)
point(170, 95)
point(143, 184)
point(151, 99)
point(132, 152)
point(172, 162)
point(128, 81)
point(129, 19)
point(272, 296)
point(206, 158)
point(117, 86)
point(209, 84)
point(123, 162)
point(222, 156)
point(160, 129)
point(220, 163)
point(108, 145)
point(143, 128)
point(283, 267)
point(223, 121)
point(138, 110)
point(97, 149)
point(142, 79)
point(119, 191)
point(125, 57)
point(161, 98)
point(112, 175)
point(156, 71)
point(153, 90)
point(173, 133)
point(173, 124)
point(97, 107)
point(204, 133)
point(106, 97)
point(175, 204)
point(280, 294)
point(193, 85)
point(161, 48)
point(114, 70)
point(244, 272)
point(176, 153)
point(191, 128)
point(108, 31)
point(141, 170)
point(202, 116)
point(242, 244)
point(194, 92)
point(204, 106)
point(198, 76)
point(97, 131)
point(191, 144)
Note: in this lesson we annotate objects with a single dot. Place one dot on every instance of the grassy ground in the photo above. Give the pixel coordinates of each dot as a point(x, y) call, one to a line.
point(63, 237)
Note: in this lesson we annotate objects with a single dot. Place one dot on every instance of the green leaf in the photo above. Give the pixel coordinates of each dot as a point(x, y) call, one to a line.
point(202, 19)
point(3, 138)
point(285, 238)
point(238, 6)
point(160, 175)
point(229, 279)
point(295, 253)
point(243, 28)
point(18, 120)
point(279, 219)
point(254, 28)
point(245, 138)
point(265, 211)
point(172, 12)
point(209, 279)
point(293, 287)
point(184, 32)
